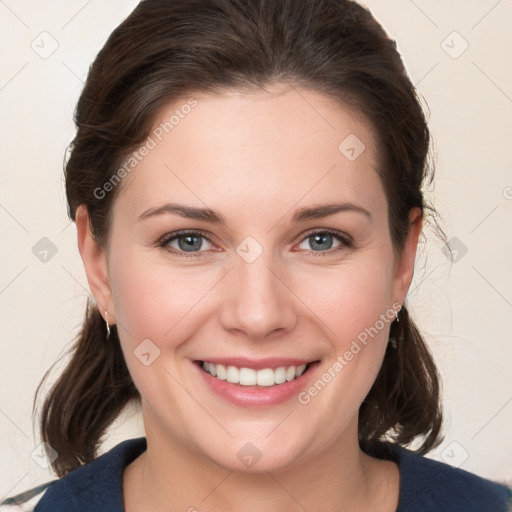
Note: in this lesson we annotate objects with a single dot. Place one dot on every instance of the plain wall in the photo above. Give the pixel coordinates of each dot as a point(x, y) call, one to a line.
point(464, 308)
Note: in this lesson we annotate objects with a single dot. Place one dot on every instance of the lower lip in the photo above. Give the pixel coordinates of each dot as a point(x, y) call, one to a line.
point(257, 396)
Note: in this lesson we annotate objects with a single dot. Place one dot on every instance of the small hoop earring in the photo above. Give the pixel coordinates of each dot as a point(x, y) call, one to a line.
point(108, 326)
point(396, 315)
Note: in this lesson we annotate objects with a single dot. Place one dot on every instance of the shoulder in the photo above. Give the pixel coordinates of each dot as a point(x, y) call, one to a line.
point(428, 485)
point(94, 486)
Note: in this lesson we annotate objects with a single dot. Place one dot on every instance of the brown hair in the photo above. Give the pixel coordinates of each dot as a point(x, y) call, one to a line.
point(167, 49)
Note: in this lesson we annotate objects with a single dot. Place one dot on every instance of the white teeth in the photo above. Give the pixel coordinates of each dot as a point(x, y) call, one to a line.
point(221, 371)
point(301, 369)
point(232, 374)
point(265, 377)
point(280, 375)
point(249, 377)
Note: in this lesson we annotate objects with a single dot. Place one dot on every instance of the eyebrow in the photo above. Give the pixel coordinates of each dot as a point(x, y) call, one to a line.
point(208, 215)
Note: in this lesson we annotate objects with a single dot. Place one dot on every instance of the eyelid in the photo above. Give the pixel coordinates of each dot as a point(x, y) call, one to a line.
point(345, 240)
point(170, 237)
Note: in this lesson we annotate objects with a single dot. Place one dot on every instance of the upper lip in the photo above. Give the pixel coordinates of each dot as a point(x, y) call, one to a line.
point(258, 364)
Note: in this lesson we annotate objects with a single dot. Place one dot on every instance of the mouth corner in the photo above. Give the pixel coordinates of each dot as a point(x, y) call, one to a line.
point(312, 363)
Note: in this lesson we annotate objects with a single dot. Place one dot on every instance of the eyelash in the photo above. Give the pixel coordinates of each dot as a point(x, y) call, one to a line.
point(163, 242)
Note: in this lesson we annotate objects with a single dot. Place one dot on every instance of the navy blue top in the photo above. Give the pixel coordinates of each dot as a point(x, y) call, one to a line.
point(426, 485)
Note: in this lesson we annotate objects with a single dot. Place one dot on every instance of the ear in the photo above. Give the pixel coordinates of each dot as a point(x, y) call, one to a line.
point(95, 263)
point(404, 268)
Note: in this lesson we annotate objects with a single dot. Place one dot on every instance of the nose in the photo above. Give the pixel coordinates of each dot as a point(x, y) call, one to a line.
point(258, 301)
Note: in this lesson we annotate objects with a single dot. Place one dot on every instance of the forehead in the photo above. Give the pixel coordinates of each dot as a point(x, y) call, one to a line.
point(286, 144)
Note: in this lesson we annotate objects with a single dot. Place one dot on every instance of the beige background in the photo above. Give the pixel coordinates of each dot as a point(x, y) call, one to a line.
point(464, 308)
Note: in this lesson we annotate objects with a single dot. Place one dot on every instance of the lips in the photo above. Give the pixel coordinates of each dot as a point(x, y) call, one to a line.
point(255, 373)
point(243, 393)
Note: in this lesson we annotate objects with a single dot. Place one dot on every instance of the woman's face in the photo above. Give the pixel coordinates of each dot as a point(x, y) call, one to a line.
point(283, 280)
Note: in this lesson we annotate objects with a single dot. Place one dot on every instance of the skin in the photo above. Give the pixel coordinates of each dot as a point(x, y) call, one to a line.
point(255, 157)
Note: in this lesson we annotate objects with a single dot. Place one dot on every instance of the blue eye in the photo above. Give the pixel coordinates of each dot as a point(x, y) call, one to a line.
point(323, 240)
point(190, 243)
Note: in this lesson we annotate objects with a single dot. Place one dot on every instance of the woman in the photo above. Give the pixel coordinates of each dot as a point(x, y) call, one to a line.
point(220, 144)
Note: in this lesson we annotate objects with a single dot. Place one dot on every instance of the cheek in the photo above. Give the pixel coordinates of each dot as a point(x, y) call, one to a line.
point(156, 303)
point(151, 301)
point(349, 298)
point(355, 306)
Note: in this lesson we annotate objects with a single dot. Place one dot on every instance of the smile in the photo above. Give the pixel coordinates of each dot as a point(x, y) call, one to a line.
point(264, 377)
